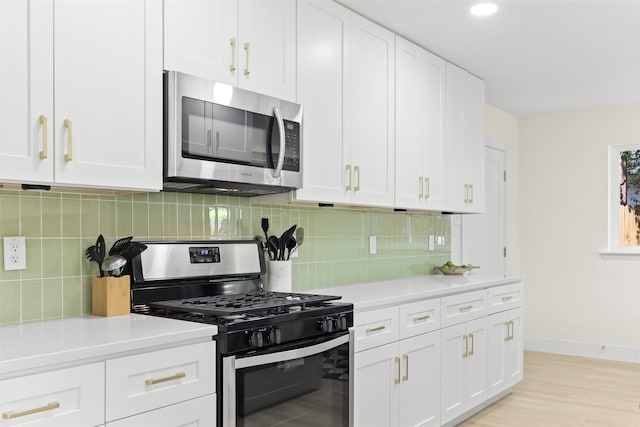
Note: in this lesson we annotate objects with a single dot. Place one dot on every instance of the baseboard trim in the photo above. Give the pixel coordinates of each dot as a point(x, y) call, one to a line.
point(581, 349)
point(484, 405)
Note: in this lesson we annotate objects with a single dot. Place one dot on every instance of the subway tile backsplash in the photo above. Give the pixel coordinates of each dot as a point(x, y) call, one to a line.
point(59, 227)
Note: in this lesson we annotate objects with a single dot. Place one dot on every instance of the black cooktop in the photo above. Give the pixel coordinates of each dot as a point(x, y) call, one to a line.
point(246, 303)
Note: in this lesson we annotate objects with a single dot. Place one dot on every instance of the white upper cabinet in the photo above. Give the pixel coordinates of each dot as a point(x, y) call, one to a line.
point(26, 91)
point(246, 43)
point(420, 167)
point(464, 139)
point(346, 85)
point(107, 130)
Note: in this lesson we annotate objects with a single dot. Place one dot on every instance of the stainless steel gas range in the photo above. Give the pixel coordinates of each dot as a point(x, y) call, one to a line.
point(282, 358)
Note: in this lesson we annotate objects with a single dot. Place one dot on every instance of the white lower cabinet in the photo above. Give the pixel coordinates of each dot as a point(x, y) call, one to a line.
point(200, 412)
point(505, 362)
point(60, 398)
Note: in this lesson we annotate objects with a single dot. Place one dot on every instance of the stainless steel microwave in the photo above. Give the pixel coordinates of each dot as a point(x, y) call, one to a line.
point(223, 139)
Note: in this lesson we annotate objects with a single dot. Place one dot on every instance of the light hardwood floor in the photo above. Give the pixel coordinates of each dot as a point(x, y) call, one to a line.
point(568, 391)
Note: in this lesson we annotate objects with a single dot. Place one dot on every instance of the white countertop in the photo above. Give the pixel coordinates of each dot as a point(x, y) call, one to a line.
point(35, 345)
point(369, 295)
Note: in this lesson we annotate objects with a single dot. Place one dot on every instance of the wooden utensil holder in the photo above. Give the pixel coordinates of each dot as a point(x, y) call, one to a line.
point(110, 296)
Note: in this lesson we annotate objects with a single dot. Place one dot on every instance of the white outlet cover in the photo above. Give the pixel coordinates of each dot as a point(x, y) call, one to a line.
point(15, 253)
point(373, 245)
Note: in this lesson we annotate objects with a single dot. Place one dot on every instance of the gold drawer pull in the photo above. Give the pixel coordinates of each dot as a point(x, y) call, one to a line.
point(69, 154)
point(43, 122)
point(418, 319)
point(466, 346)
point(405, 377)
point(465, 308)
point(164, 380)
point(247, 48)
point(232, 42)
point(472, 345)
point(48, 407)
point(397, 380)
point(376, 329)
point(505, 299)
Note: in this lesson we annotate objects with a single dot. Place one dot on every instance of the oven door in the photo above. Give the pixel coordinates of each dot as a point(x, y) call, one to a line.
point(306, 386)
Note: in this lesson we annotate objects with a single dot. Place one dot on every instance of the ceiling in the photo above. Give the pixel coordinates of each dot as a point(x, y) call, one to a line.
point(535, 55)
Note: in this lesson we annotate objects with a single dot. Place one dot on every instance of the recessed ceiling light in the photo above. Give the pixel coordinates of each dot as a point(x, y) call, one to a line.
point(483, 9)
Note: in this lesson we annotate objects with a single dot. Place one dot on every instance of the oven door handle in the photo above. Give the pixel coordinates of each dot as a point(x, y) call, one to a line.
point(280, 122)
point(283, 356)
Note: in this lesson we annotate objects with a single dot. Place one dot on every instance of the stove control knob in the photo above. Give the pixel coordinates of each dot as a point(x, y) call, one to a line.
point(256, 339)
point(275, 337)
point(341, 323)
point(327, 325)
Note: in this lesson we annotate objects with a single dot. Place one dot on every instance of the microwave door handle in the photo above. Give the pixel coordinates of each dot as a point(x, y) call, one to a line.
point(280, 164)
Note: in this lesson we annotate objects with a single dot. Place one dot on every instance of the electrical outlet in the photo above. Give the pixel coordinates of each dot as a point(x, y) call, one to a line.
point(15, 253)
point(432, 243)
point(373, 245)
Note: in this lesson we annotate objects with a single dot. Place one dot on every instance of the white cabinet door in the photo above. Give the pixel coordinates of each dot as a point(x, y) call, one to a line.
point(200, 412)
point(323, 34)
point(267, 47)
point(108, 104)
point(420, 79)
point(464, 373)
point(420, 374)
point(376, 376)
point(200, 38)
point(370, 124)
point(464, 136)
point(505, 349)
point(26, 91)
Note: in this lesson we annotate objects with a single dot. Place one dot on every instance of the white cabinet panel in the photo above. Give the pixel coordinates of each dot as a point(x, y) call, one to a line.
point(200, 412)
point(375, 327)
point(463, 307)
point(505, 297)
point(505, 361)
point(419, 317)
point(62, 398)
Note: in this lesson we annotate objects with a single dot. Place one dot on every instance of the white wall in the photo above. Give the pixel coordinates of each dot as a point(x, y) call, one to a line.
point(576, 301)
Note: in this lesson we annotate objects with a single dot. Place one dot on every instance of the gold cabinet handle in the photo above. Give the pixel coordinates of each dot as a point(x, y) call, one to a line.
point(466, 346)
point(232, 42)
point(465, 308)
point(405, 377)
point(247, 48)
point(376, 329)
point(165, 379)
point(348, 170)
point(69, 155)
point(466, 193)
point(397, 380)
point(505, 299)
point(427, 185)
point(356, 170)
point(471, 193)
point(472, 345)
point(508, 337)
point(511, 333)
point(43, 122)
point(421, 318)
point(48, 407)
point(421, 183)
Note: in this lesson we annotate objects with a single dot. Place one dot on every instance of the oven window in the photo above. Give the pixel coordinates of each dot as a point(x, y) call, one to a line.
point(310, 391)
point(225, 134)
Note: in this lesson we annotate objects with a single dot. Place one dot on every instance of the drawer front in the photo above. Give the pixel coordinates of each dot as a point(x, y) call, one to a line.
point(147, 381)
point(62, 398)
point(505, 297)
point(419, 317)
point(200, 412)
point(463, 307)
point(375, 327)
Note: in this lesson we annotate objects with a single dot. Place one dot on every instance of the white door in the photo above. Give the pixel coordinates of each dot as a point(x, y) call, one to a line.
point(376, 381)
point(371, 99)
point(483, 235)
point(420, 375)
point(108, 86)
point(26, 91)
point(267, 47)
point(323, 32)
point(200, 38)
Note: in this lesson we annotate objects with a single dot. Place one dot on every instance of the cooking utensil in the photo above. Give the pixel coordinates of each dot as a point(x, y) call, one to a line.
point(283, 241)
point(101, 249)
point(265, 227)
point(133, 249)
point(300, 236)
point(92, 255)
point(273, 245)
point(113, 265)
point(291, 243)
point(119, 245)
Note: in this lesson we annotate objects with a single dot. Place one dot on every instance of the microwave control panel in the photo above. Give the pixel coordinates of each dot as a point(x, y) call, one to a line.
point(292, 146)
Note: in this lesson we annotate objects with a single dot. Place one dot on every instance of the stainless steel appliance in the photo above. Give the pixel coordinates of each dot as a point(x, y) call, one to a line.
point(282, 358)
point(223, 139)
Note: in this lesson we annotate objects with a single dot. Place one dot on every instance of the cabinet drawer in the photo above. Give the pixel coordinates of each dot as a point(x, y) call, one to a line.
point(419, 317)
point(463, 307)
point(195, 412)
point(375, 327)
point(151, 380)
point(62, 398)
point(505, 297)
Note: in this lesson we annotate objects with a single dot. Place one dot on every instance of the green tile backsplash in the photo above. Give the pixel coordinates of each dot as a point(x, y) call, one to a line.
point(59, 227)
